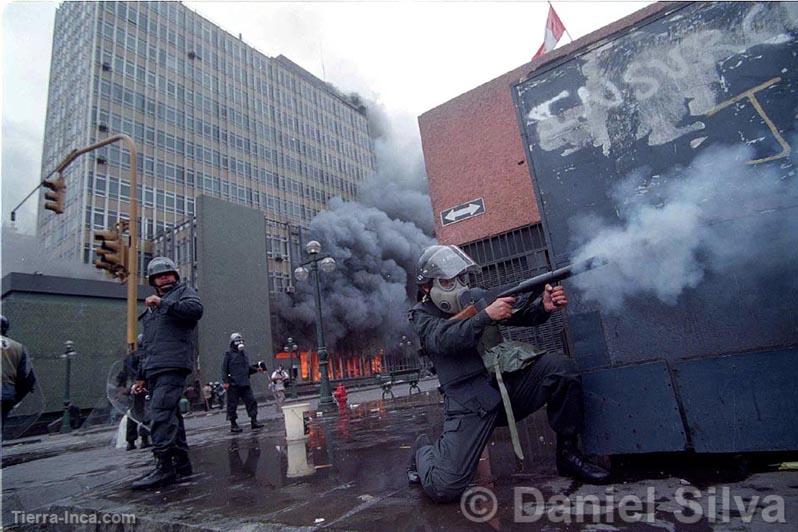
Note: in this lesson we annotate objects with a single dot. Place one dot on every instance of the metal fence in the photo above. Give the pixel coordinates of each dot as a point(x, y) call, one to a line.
point(512, 257)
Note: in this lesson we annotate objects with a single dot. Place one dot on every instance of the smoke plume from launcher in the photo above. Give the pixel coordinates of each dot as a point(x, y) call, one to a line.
point(718, 215)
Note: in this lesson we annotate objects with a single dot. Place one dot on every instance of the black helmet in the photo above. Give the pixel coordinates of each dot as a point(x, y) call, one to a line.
point(3, 325)
point(160, 265)
point(443, 262)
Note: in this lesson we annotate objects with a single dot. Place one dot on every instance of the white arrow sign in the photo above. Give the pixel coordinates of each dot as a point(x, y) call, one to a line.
point(470, 209)
point(463, 211)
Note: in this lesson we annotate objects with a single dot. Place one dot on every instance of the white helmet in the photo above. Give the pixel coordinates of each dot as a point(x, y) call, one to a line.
point(237, 340)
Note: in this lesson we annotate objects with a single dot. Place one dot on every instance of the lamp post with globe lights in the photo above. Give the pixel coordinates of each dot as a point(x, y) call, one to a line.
point(315, 265)
point(292, 348)
point(405, 344)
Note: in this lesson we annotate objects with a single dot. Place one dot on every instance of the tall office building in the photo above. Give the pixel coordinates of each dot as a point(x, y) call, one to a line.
point(209, 115)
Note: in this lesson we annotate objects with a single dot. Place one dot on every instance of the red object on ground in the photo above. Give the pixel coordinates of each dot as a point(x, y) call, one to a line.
point(340, 395)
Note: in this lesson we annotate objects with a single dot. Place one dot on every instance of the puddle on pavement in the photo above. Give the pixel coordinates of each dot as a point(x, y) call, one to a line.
point(347, 463)
point(344, 461)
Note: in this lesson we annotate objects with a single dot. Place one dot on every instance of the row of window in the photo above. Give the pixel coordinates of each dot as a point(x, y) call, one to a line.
point(99, 219)
point(233, 94)
point(216, 111)
point(201, 34)
point(102, 185)
point(157, 137)
point(116, 156)
point(138, 102)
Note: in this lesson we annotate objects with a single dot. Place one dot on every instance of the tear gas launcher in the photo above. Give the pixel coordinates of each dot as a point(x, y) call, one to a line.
point(473, 301)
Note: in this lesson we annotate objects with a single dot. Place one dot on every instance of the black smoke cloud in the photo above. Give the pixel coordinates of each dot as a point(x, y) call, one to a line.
point(375, 242)
point(720, 215)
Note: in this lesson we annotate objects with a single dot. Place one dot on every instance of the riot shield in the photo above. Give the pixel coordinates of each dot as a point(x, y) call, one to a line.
point(25, 414)
point(120, 397)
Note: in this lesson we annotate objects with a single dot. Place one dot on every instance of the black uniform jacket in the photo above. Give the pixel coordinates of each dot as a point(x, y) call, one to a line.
point(452, 346)
point(168, 331)
point(236, 368)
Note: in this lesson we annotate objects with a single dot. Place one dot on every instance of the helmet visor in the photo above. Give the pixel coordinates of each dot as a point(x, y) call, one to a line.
point(448, 262)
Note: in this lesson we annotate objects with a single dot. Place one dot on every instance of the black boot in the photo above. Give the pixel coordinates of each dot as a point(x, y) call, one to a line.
point(131, 445)
point(255, 425)
point(162, 475)
point(234, 428)
point(182, 464)
point(572, 463)
point(145, 441)
point(422, 440)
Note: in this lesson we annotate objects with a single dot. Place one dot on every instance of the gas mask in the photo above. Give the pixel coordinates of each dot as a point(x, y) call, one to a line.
point(446, 293)
point(237, 341)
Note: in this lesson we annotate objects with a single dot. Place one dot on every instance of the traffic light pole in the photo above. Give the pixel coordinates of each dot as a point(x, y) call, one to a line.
point(133, 264)
point(15, 209)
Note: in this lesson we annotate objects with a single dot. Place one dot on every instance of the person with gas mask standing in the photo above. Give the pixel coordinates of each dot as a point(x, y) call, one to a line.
point(236, 370)
point(472, 400)
point(169, 323)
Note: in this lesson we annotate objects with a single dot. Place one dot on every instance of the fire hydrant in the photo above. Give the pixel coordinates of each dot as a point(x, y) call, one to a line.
point(340, 396)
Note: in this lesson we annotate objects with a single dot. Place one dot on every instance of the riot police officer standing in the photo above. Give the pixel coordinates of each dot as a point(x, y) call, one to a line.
point(173, 313)
point(236, 370)
point(138, 419)
point(472, 402)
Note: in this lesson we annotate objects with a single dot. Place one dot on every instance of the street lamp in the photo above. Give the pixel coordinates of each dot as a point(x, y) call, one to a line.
point(404, 344)
point(69, 352)
point(291, 347)
point(302, 273)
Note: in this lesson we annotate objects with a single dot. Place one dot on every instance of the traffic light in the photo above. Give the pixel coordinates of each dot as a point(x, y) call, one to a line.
point(112, 251)
point(54, 200)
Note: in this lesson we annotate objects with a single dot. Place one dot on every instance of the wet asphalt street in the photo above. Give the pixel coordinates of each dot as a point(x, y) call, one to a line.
point(349, 474)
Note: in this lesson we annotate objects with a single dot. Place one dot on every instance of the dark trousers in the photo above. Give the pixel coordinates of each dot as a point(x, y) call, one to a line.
point(166, 424)
point(138, 419)
point(8, 405)
point(245, 393)
point(447, 467)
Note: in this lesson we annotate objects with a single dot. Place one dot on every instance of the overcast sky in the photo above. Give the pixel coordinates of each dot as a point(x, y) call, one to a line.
point(408, 56)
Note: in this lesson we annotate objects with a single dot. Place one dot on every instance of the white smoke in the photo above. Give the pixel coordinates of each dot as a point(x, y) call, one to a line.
point(717, 215)
point(24, 253)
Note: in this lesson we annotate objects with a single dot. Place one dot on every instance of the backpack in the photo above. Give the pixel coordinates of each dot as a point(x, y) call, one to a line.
point(507, 357)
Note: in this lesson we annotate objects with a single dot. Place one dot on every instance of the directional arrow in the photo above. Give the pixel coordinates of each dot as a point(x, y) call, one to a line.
point(464, 211)
point(470, 209)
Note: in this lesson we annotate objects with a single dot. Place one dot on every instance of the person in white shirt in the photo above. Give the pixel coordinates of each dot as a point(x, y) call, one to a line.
point(279, 380)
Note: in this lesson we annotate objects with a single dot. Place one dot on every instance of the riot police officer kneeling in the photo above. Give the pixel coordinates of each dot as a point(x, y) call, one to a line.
point(472, 402)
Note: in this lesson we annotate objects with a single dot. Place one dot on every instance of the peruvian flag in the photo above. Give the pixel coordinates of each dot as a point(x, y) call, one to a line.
point(554, 30)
